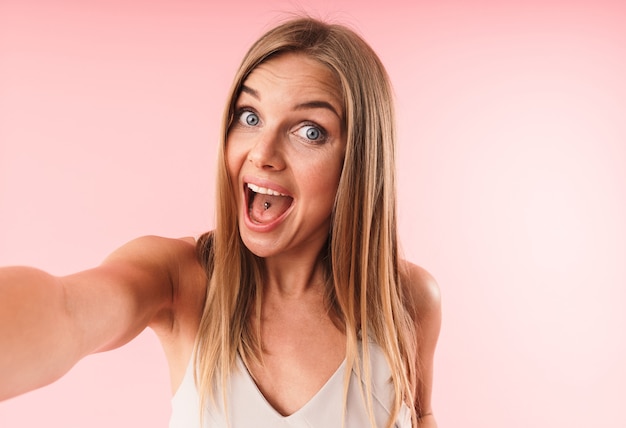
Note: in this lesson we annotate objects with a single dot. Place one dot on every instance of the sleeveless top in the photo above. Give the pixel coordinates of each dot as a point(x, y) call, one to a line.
point(248, 408)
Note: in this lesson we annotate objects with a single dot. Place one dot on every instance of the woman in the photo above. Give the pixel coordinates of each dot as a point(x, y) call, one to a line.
point(296, 310)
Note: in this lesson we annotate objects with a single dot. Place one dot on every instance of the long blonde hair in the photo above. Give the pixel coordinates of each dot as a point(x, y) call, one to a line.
point(364, 292)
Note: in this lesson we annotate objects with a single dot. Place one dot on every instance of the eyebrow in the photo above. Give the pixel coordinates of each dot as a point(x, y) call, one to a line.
point(249, 90)
point(302, 106)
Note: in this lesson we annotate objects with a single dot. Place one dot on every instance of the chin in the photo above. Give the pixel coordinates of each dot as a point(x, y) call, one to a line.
point(261, 248)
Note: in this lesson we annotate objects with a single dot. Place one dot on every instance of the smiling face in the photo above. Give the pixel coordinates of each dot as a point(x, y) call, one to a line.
point(284, 153)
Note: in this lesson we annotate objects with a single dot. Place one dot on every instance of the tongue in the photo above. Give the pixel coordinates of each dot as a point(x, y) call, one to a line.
point(267, 208)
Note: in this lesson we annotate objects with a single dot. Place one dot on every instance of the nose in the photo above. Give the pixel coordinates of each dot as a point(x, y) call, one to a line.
point(266, 153)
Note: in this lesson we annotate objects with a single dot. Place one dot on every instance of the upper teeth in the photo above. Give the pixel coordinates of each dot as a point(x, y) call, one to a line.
point(263, 190)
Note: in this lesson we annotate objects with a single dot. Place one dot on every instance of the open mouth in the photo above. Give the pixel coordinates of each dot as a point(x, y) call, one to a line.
point(265, 205)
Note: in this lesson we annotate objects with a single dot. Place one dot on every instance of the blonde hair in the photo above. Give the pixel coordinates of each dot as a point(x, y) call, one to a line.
point(364, 292)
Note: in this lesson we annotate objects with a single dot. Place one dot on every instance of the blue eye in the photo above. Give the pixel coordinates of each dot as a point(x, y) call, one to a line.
point(249, 118)
point(312, 133)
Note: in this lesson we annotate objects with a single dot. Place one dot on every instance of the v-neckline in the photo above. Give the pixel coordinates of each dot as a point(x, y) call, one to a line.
point(309, 402)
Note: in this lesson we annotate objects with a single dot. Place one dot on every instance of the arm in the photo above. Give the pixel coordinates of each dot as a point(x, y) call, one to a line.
point(48, 323)
point(426, 303)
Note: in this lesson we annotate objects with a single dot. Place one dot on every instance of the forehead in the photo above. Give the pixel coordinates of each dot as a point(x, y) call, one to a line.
point(296, 74)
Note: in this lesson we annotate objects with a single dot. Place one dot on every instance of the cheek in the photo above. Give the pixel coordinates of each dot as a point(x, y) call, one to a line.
point(324, 181)
point(233, 158)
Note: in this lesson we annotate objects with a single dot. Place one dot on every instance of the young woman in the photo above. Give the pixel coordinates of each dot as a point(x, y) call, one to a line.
point(296, 310)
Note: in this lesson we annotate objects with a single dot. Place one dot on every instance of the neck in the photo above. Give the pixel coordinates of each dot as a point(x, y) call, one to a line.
point(291, 277)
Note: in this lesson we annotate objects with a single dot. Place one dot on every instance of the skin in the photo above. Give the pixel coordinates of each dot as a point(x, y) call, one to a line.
point(158, 282)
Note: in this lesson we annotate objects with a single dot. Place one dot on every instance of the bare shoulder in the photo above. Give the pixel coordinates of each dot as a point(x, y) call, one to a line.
point(424, 301)
point(177, 256)
point(154, 250)
point(170, 265)
point(176, 324)
point(422, 290)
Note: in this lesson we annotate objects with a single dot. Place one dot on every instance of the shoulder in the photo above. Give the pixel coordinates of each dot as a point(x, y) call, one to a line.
point(153, 250)
point(140, 265)
point(167, 259)
point(176, 324)
point(421, 290)
point(424, 302)
point(167, 263)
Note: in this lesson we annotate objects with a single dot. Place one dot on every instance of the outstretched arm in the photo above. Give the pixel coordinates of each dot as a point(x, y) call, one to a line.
point(48, 323)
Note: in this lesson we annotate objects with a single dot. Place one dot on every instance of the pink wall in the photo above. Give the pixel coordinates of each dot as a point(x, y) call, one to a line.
point(512, 169)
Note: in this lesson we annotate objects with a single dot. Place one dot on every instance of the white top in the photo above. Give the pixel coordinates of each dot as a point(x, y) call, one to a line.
point(247, 407)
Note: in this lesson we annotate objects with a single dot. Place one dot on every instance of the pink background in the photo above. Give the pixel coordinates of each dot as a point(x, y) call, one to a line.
point(512, 175)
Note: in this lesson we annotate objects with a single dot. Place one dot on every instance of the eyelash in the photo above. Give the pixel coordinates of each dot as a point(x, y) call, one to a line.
point(323, 134)
point(322, 137)
point(240, 112)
